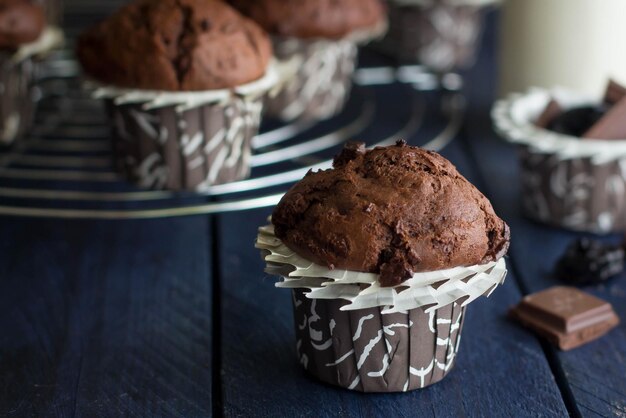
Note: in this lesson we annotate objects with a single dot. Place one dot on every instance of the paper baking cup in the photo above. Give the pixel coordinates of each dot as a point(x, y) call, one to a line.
point(569, 182)
point(442, 35)
point(370, 351)
point(355, 334)
point(17, 75)
point(185, 141)
point(16, 101)
point(316, 75)
point(317, 80)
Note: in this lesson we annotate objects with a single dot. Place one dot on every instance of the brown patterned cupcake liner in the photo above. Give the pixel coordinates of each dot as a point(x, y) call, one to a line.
point(443, 36)
point(370, 351)
point(319, 83)
point(316, 75)
point(165, 148)
point(576, 193)
point(16, 99)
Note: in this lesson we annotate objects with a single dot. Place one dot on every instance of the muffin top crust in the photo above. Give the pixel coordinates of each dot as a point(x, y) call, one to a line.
point(175, 45)
point(21, 22)
point(332, 19)
point(395, 211)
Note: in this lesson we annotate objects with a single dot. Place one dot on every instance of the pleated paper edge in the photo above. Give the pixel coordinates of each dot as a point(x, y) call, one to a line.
point(428, 290)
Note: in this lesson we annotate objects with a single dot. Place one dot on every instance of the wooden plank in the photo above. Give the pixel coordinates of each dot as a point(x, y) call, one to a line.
point(593, 375)
point(501, 370)
point(105, 319)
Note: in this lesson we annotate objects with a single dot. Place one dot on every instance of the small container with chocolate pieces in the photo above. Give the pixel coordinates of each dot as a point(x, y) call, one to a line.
point(573, 155)
point(382, 265)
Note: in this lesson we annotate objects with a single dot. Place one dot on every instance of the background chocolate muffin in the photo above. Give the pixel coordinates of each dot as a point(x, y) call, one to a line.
point(312, 18)
point(316, 44)
point(394, 211)
point(183, 80)
point(175, 45)
point(21, 22)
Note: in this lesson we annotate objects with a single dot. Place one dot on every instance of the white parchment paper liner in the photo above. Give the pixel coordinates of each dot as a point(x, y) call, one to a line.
point(154, 99)
point(514, 119)
point(51, 38)
point(428, 290)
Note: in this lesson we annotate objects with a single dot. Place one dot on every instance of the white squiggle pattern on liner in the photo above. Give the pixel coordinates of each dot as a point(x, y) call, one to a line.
point(242, 123)
point(361, 358)
point(453, 284)
point(453, 349)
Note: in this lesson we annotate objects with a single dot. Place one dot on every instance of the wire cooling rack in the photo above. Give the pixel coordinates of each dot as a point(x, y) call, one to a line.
point(64, 169)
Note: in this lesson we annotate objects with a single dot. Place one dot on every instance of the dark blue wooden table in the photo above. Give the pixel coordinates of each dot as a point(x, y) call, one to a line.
point(173, 316)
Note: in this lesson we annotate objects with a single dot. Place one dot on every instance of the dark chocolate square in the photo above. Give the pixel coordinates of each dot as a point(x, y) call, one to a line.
point(566, 316)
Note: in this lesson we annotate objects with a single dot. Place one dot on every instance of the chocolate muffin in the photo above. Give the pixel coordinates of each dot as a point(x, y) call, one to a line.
point(394, 211)
point(391, 242)
point(572, 154)
point(21, 22)
point(183, 80)
point(329, 19)
point(175, 45)
point(316, 44)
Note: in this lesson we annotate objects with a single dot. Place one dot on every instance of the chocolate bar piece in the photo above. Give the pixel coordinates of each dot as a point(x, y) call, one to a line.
point(614, 92)
point(552, 110)
point(566, 316)
point(612, 125)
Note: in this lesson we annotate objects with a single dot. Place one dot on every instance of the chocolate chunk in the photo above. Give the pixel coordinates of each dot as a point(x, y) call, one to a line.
point(612, 125)
point(552, 110)
point(614, 92)
point(577, 121)
point(587, 261)
point(349, 152)
point(565, 316)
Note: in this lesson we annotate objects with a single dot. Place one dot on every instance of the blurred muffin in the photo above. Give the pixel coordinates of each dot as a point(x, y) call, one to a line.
point(21, 25)
point(381, 244)
point(442, 35)
point(184, 79)
point(316, 40)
